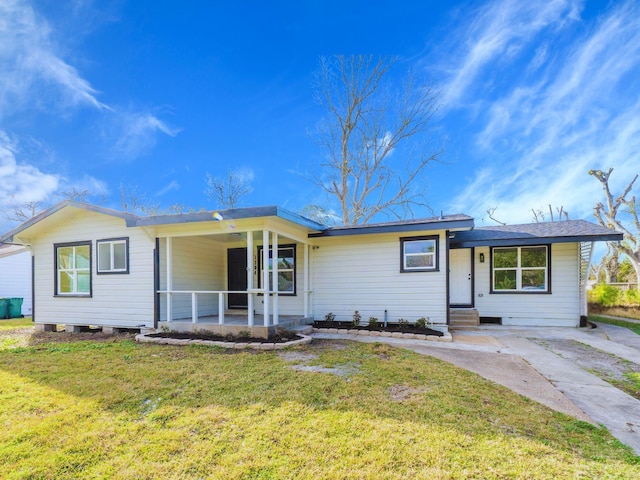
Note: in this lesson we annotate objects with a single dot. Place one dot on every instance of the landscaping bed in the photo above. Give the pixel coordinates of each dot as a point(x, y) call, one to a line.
point(391, 327)
point(283, 337)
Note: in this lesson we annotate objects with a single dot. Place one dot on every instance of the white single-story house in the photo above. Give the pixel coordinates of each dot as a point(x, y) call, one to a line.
point(206, 270)
point(15, 274)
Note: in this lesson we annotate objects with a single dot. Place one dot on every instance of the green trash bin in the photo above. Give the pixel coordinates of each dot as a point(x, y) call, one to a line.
point(15, 308)
point(4, 308)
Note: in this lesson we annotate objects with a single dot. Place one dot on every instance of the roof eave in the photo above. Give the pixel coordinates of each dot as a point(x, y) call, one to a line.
point(395, 228)
point(506, 242)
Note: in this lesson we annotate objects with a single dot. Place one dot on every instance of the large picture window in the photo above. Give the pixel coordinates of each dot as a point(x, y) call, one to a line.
point(73, 269)
point(286, 269)
point(419, 254)
point(520, 269)
point(113, 255)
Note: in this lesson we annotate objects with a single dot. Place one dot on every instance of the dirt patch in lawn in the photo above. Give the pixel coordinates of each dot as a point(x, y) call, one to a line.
point(403, 393)
point(615, 370)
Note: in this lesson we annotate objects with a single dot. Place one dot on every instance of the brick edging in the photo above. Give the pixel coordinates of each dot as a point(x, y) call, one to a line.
point(145, 338)
point(446, 337)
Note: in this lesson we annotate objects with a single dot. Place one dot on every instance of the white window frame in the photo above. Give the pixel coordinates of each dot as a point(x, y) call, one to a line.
point(112, 242)
point(72, 271)
point(519, 269)
point(435, 239)
point(291, 247)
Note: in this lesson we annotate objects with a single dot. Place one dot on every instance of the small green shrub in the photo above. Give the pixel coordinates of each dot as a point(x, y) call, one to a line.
point(244, 334)
point(356, 318)
point(606, 295)
point(374, 322)
point(421, 322)
point(402, 323)
point(632, 296)
point(329, 317)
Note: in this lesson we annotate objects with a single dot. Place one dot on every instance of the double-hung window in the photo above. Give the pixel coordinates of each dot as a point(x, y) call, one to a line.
point(113, 255)
point(286, 269)
point(73, 269)
point(419, 254)
point(520, 269)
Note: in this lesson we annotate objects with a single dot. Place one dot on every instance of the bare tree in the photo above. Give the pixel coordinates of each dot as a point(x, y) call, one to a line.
point(367, 122)
point(539, 216)
point(23, 211)
point(131, 199)
point(491, 212)
point(228, 190)
point(609, 216)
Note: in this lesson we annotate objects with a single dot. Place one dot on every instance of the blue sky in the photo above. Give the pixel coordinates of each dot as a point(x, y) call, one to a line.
point(156, 94)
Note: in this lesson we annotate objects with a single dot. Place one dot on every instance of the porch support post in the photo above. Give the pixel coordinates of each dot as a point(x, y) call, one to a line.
point(265, 274)
point(250, 317)
point(306, 280)
point(169, 278)
point(220, 308)
point(194, 307)
point(274, 276)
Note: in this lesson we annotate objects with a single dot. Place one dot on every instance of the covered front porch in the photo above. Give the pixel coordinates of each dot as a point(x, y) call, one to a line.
point(215, 278)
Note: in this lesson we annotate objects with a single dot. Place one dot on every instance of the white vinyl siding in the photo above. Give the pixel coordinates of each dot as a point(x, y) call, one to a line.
point(561, 307)
point(120, 301)
point(363, 272)
point(15, 278)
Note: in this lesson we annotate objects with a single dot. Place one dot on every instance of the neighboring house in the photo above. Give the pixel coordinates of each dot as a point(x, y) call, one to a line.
point(15, 274)
point(96, 266)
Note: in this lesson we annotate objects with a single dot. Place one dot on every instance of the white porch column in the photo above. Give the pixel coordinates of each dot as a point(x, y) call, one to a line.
point(265, 274)
point(169, 278)
point(220, 308)
point(274, 276)
point(194, 307)
point(306, 280)
point(250, 318)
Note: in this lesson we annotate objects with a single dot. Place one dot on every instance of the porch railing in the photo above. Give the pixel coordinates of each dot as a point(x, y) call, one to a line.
point(194, 302)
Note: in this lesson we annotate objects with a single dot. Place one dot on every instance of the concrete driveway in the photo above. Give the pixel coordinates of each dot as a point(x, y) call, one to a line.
point(523, 359)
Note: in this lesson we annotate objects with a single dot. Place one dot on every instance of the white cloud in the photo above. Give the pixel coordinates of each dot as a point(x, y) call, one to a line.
point(136, 133)
point(546, 133)
point(173, 185)
point(20, 182)
point(33, 72)
point(496, 34)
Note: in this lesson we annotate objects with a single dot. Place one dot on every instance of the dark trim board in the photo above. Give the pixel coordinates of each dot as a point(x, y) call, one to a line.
point(156, 284)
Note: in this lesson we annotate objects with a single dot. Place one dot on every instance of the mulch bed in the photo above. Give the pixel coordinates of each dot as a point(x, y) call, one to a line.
point(278, 338)
point(391, 327)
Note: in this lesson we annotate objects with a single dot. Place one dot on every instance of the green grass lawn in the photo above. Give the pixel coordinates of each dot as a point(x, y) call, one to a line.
point(634, 327)
point(106, 407)
point(14, 323)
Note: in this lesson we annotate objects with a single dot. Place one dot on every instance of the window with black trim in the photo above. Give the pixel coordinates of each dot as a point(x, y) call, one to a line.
point(113, 255)
point(73, 269)
point(286, 269)
point(419, 254)
point(520, 269)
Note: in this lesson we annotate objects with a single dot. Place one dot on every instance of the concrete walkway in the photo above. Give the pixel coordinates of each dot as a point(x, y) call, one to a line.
point(506, 356)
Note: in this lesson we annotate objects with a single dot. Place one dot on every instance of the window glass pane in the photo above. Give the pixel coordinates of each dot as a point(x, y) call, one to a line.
point(533, 280)
point(419, 261)
point(420, 246)
point(82, 256)
point(104, 257)
point(65, 282)
point(119, 256)
point(504, 279)
point(533, 257)
point(84, 282)
point(65, 257)
point(505, 257)
point(285, 281)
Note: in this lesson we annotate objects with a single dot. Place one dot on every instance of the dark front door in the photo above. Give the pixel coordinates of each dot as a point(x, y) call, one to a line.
point(237, 276)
